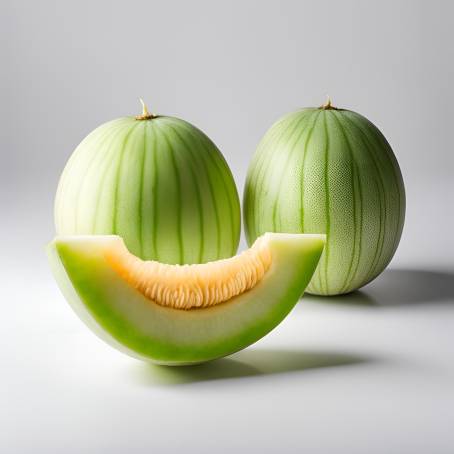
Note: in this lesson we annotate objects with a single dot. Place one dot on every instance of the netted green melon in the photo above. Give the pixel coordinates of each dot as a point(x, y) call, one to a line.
point(158, 182)
point(329, 170)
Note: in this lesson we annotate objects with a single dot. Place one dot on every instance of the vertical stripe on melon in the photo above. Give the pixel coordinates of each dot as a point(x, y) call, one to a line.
point(328, 170)
point(159, 183)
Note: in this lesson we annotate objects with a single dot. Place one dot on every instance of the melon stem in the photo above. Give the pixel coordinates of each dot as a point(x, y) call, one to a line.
point(145, 114)
point(328, 105)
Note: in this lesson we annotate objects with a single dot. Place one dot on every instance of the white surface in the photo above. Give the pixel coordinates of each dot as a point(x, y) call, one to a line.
point(343, 376)
point(372, 372)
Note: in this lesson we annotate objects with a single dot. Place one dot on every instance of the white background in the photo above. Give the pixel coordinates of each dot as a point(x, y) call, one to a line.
point(370, 372)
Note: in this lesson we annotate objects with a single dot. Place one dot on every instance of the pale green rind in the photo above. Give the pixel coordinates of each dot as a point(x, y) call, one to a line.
point(161, 184)
point(137, 326)
point(329, 171)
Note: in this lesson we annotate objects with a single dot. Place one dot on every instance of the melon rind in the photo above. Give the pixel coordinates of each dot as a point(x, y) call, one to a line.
point(132, 323)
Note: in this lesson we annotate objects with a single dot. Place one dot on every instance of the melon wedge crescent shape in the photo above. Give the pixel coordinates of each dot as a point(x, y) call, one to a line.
point(173, 314)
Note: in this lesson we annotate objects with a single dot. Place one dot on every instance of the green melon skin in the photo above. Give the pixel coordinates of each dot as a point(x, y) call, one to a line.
point(130, 322)
point(332, 171)
point(160, 183)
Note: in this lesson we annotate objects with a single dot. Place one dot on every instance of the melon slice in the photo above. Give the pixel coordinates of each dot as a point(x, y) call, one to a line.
point(183, 314)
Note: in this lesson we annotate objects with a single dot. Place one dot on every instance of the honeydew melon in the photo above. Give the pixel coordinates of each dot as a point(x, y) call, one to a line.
point(158, 182)
point(329, 170)
point(172, 314)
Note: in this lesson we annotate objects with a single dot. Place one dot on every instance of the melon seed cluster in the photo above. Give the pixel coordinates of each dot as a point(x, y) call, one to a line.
point(196, 285)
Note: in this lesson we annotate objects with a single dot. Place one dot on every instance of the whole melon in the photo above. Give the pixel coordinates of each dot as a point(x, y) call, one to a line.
point(329, 170)
point(159, 183)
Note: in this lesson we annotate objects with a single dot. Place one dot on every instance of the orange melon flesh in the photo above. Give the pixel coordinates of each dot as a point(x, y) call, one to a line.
point(192, 286)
